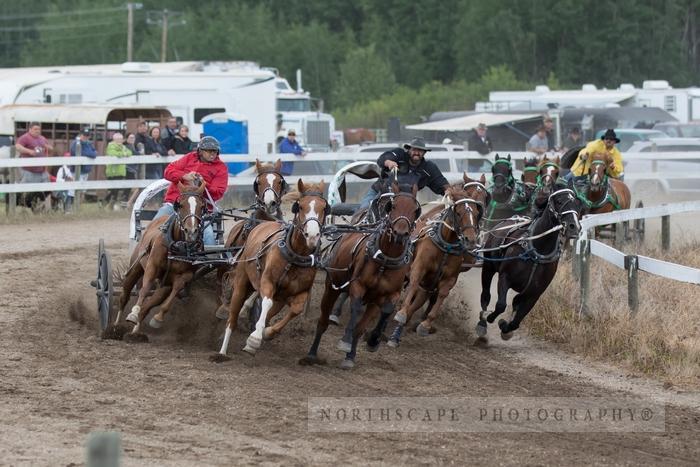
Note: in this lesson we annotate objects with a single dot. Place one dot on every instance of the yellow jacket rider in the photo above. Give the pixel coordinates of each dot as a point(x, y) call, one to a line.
point(605, 145)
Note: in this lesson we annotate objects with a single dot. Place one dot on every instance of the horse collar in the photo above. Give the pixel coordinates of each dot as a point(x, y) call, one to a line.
point(293, 258)
point(388, 262)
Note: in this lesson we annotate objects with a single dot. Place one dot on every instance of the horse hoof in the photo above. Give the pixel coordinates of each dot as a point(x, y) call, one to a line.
point(222, 313)
point(249, 350)
point(219, 358)
point(481, 328)
point(115, 332)
point(252, 343)
point(347, 364)
point(506, 335)
point(334, 320)
point(422, 330)
point(393, 343)
point(400, 317)
point(267, 334)
point(310, 360)
point(343, 346)
point(503, 326)
point(133, 317)
point(136, 338)
point(372, 348)
point(155, 323)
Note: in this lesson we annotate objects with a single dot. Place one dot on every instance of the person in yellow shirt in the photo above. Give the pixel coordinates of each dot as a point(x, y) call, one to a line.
point(605, 145)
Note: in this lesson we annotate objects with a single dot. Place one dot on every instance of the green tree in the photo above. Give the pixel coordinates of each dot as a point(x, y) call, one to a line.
point(363, 76)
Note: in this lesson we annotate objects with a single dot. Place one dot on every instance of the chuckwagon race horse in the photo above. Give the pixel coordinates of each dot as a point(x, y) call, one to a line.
point(279, 263)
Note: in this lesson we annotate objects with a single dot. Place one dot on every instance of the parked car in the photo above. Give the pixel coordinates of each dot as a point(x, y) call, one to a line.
point(663, 174)
point(629, 136)
point(679, 130)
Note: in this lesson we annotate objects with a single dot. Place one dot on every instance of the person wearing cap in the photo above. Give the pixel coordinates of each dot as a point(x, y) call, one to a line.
point(86, 150)
point(604, 145)
point(479, 142)
point(413, 168)
point(202, 163)
point(289, 145)
point(538, 143)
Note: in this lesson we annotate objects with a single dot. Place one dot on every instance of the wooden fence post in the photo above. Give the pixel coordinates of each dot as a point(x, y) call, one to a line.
point(585, 272)
point(632, 266)
point(12, 172)
point(665, 233)
point(619, 234)
point(78, 198)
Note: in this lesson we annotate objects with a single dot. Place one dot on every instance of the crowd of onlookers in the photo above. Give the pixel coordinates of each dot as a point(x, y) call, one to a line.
point(171, 140)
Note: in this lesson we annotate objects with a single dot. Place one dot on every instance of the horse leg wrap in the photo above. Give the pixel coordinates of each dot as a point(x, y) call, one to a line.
point(401, 317)
point(133, 317)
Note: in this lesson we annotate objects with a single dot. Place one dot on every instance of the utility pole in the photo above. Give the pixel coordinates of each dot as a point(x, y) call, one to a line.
point(166, 19)
point(130, 7)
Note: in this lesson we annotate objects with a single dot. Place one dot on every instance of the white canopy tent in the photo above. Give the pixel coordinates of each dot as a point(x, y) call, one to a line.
point(469, 122)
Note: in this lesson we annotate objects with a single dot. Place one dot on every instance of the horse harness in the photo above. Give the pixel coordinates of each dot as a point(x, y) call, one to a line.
point(583, 194)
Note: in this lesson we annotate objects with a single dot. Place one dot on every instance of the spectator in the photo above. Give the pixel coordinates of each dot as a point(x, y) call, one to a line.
point(33, 144)
point(538, 142)
point(479, 142)
point(65, 174)
point(141, 138)
point(132, 170)
point(116, 148)
point(86, 150)
point(549, 131)
point(155, 147)
point(181, 143)
point(573, 139)
point(169, 132)
point(289, 145)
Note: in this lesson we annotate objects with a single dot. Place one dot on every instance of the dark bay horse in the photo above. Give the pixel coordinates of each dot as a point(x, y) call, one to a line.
point(526, 259)
point(178, 234)
point(372, 268)
point(279, 263)
point(508, 196)
point(269, 187)
point(444, 239)
point(604, 193)
point(547, 176)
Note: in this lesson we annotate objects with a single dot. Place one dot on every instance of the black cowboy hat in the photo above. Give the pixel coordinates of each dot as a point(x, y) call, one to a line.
point(610, 134)
point(418, 143)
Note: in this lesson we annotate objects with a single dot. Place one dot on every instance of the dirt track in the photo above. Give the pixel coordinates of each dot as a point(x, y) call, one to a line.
point(59, 382)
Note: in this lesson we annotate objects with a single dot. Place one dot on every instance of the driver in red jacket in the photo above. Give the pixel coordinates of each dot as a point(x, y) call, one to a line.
point(203, 162)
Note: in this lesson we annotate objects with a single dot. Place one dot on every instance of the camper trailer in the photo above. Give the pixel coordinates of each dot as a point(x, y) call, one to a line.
point(189, 90)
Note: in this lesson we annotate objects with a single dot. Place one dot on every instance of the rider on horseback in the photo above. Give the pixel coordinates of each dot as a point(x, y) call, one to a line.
point(412, 167)
point(605, 145)
point(203, 164)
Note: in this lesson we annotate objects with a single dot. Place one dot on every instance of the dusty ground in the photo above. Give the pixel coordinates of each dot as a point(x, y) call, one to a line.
point(59, 381)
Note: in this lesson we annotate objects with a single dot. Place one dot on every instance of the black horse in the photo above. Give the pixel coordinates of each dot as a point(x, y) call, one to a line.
point(508, 196)
point(526, 258)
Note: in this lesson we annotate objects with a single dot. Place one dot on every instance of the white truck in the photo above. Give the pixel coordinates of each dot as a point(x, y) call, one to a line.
point(314, 129)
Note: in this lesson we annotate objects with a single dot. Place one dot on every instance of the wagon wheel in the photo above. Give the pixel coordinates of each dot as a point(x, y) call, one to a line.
point(104, 287)
point(639, 225)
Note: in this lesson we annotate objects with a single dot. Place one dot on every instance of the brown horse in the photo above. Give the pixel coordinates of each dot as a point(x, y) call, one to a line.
point(279, 263)
point(547, 176)
point(605, 194)
point(445, 236)
point(269, 187)
point(372, 267)
point(180, 233)
point(530, 171)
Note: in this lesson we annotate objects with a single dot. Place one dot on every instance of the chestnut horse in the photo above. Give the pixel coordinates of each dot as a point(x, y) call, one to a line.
point(605, 194)
point(530, 171)
point(372, 268)
point(279, 263)
point(547, 176)
point(526, 258)
point(269, 187)
point(445, 236)
point(178, 234)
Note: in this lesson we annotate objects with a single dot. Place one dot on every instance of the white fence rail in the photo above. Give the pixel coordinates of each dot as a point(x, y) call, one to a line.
point(585, 247)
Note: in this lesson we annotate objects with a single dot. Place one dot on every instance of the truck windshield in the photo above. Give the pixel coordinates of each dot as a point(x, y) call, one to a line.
point(293, 105)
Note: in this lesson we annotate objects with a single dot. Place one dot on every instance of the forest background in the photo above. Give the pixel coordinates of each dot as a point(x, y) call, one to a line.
point(375, 59)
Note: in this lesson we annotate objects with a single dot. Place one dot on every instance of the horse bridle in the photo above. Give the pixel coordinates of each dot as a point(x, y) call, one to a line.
point(541, 178)
point(605, 173)
point(390, 206)
point(296, 210)
point(508, 179)
point(182, 221)
point(559, 215)
point(259, 197)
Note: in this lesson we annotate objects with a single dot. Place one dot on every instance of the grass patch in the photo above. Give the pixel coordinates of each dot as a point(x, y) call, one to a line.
point(661, 340)
point(93, 211)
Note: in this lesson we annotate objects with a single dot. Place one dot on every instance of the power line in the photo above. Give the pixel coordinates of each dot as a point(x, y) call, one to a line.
point(61, 13)
point(60, 26)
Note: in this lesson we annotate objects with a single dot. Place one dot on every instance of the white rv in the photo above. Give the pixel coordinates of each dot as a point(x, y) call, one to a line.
point(682, 103)
point(190, 90)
